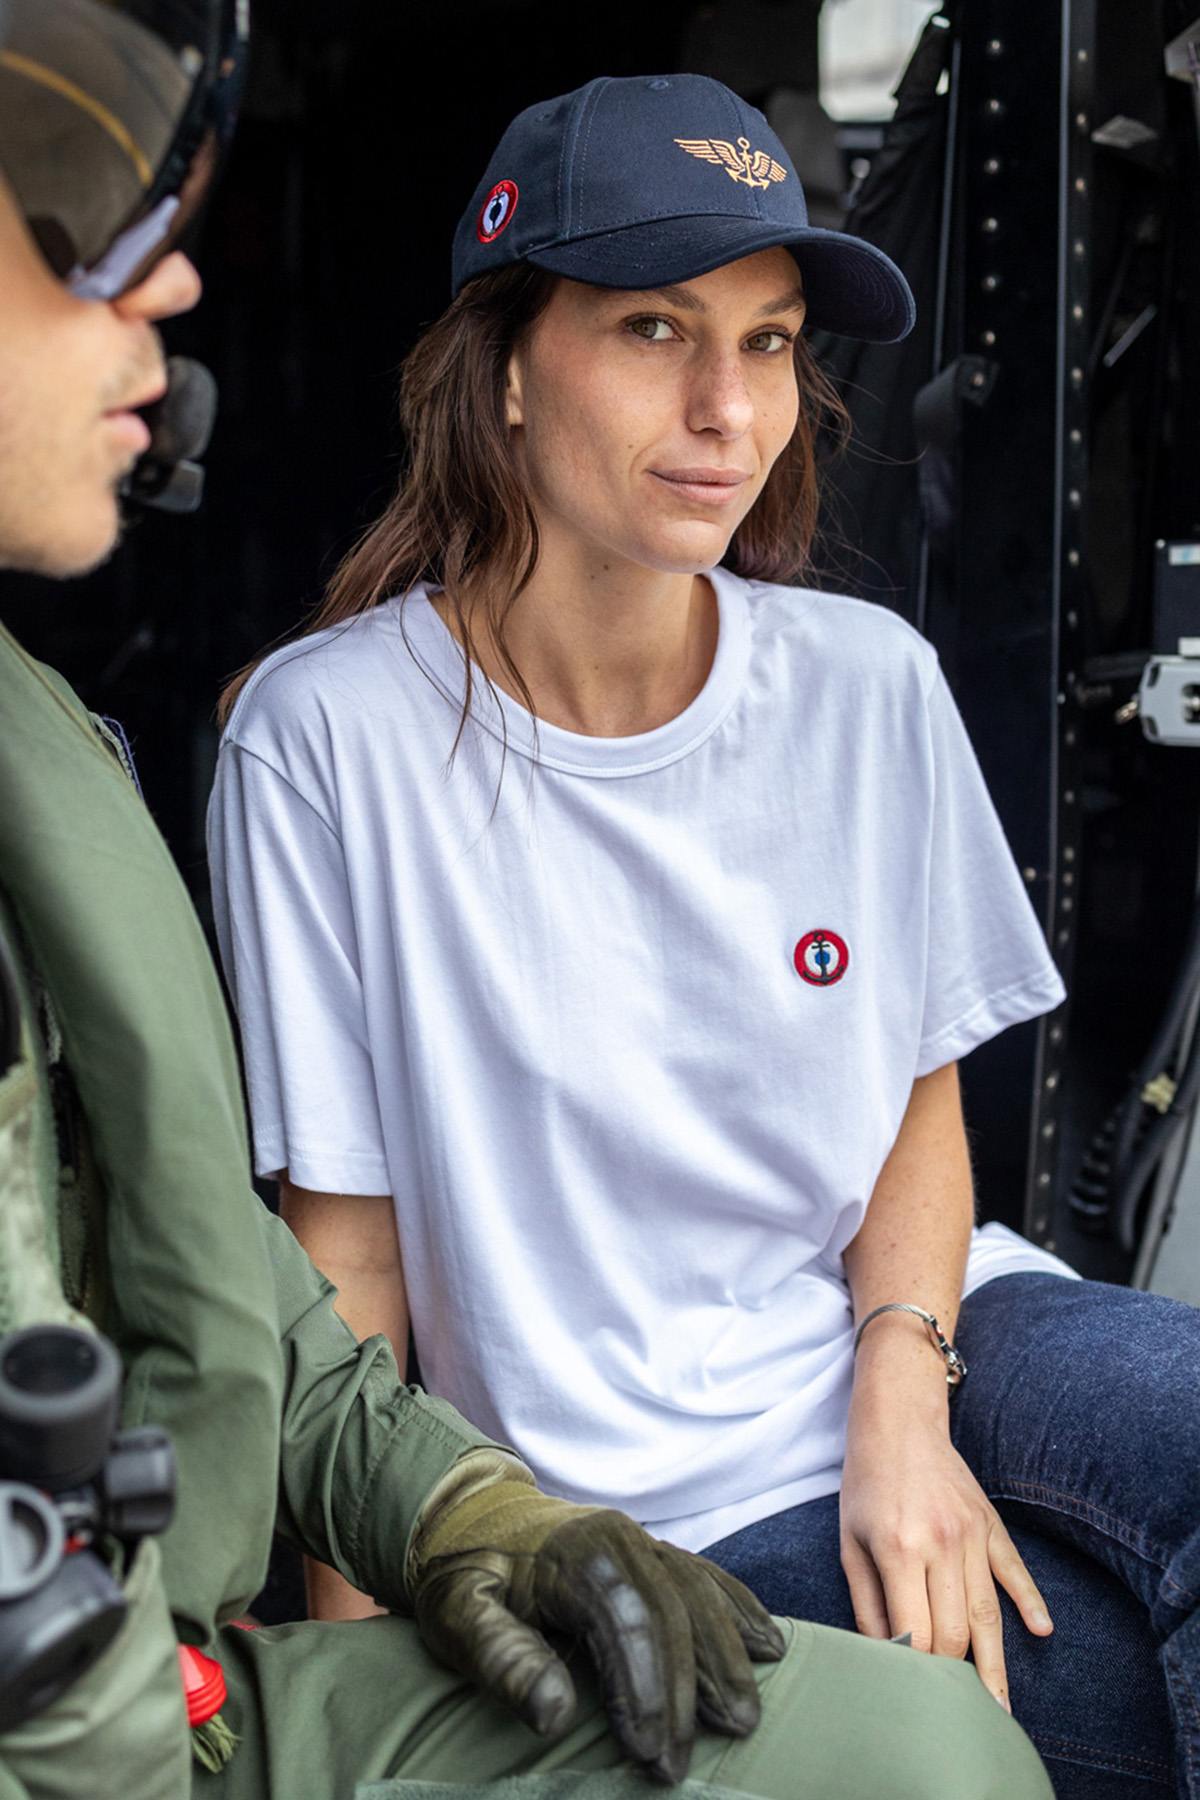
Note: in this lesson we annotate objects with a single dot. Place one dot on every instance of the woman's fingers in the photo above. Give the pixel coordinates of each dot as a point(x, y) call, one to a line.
point(946, 1588)
point(866, 1591)
point(987, 1628)
point(907, 1598)
point(949, 1605)
point(1015, 1579)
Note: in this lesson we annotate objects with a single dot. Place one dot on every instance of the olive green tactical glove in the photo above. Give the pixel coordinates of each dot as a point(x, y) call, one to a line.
point(493, 1563)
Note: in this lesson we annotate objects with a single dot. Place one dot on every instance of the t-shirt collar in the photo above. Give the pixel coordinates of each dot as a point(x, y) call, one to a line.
point(573, 752)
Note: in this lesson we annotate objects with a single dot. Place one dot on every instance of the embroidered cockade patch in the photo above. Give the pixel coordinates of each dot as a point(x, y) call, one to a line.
point(821, 957)
point(497, 211)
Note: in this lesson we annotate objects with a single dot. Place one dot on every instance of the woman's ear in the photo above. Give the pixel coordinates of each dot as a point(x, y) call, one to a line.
point(514, 405)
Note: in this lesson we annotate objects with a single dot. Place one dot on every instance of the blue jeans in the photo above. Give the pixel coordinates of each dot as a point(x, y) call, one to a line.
point(1080, 1418)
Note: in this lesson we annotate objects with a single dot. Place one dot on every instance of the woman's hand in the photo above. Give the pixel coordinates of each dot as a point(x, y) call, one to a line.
point(922, 1545)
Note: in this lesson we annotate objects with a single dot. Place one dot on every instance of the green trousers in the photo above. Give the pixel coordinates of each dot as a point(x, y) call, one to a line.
point(361, 1712)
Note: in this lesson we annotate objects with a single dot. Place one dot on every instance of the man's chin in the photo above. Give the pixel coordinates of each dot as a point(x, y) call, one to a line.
point(63, 551)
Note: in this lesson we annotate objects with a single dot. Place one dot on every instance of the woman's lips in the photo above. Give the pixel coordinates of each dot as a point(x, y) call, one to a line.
point(708, 487)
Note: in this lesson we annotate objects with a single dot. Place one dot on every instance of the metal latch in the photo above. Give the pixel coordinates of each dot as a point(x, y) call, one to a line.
point(1168, 698)
point(1182, 59)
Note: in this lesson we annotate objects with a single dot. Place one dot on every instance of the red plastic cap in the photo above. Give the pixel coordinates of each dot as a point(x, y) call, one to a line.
point(203, 1684)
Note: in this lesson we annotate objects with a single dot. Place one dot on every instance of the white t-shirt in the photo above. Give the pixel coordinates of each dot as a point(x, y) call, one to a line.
point(630, 1042)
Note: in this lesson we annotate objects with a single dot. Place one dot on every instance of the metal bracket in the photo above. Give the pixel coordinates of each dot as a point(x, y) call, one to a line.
point(1182, 59)
point(1169, 699)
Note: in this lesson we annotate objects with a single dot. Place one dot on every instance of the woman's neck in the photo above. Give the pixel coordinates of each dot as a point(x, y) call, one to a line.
point(606, 648)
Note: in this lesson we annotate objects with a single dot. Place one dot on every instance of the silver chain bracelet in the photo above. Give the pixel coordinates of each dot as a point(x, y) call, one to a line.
point(956, 1368)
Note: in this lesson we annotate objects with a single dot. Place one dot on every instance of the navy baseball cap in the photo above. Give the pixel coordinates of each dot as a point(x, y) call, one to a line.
point(650, 179)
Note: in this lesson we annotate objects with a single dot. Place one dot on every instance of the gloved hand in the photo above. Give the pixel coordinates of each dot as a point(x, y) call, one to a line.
point(493, 1562)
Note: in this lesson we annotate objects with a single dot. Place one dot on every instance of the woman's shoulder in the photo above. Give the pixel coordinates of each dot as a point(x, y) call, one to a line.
point(842, 632)
point(317, 683)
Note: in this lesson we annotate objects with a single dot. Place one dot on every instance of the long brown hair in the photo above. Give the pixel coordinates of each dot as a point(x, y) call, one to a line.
point(461, 518)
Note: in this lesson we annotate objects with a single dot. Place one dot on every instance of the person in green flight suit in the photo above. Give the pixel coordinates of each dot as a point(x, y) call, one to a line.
point(530, 1646)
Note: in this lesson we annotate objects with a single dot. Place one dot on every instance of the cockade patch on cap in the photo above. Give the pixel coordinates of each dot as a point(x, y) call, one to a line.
point(821, 957)
point(496, 213)
point(752, 167)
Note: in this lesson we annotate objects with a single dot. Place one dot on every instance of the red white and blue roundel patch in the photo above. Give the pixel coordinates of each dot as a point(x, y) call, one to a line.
point(496, 213)
point(821, 957)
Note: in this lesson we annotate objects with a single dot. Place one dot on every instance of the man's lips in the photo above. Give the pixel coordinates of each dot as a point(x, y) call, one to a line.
point(129, 427)
point(711, 487)
point(127, 421)
point(146, 396)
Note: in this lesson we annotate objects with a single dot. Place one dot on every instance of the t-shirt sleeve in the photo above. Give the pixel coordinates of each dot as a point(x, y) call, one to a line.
point(987, 965)
point(286, 933)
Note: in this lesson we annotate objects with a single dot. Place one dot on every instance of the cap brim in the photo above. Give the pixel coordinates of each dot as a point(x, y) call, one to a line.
point(852, 288)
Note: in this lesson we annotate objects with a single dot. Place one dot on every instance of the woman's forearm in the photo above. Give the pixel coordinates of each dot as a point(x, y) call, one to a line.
point(922, 1546)
point(352, 1240)
point(913, 1246)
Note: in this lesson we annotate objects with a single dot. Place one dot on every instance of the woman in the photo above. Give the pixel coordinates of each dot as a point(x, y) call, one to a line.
point(614, 917)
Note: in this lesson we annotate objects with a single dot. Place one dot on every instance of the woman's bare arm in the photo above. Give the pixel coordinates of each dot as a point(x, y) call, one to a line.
point(352, 1240)
point(922, 1545)
point(912, 1245)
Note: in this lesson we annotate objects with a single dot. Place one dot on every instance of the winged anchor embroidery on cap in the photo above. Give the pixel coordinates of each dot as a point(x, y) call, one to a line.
point(752, 167)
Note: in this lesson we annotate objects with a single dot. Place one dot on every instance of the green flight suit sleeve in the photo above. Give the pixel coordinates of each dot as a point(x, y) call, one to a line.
point(105, 921)
point(359, 1450)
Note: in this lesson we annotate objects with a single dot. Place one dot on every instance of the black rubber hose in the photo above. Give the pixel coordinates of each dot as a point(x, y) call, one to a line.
point(1161, 1050)
point(1157, 1142)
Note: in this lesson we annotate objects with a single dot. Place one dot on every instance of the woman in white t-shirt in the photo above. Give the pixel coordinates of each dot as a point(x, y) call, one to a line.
point(606, 916)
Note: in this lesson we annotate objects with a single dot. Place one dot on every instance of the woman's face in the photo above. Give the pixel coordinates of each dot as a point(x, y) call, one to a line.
point(648, 422)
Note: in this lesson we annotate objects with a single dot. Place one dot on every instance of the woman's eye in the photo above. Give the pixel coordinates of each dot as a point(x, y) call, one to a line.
point(770, 341)
point(652, 331)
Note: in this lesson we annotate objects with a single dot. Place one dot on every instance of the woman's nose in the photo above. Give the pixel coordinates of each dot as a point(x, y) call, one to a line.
point(720, 400)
